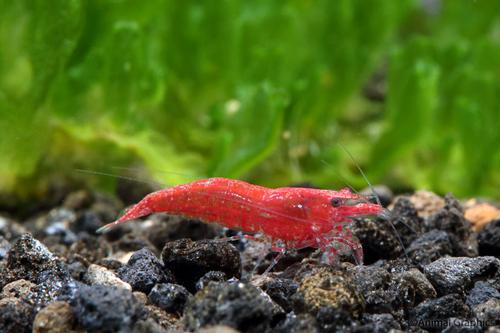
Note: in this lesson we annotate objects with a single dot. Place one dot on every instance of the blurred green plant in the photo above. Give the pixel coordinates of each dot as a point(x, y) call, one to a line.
point(260, 90)
point(443, 108)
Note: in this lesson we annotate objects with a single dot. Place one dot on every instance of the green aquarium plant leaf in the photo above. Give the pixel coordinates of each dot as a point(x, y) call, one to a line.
point(253, 123)
point(442, 116)
point(37, 38)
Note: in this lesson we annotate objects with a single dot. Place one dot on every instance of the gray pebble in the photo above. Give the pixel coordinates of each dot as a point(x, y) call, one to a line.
point(105, 309)
point(437, 311)
point(238, 305)
point(189, 260)
point(170, 297)
point(144, 270)
point(429, 247)
point(456, 274)
point(482, 291)
point(489, 239)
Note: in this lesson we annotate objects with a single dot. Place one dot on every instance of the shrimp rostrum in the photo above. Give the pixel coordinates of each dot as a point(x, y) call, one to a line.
point(292, 217)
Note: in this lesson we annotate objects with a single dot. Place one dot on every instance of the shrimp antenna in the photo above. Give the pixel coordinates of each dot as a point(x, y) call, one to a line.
point(361, 172)
point(387, 213)
point(344, 179)
point(99, 173)
point(165, 172)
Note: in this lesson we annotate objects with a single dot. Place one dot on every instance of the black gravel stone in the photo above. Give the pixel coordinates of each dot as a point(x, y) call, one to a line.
point(105, 309)
point(241, 306)
point(482, 292)
point(429, 247)
point(144, 270)
point(385, 291)
point(189, 260)
point(375, 285)
point(16, 316)
point(334, 320)
point(26, 259)
point(421, 290)
point(377, 323)
point(404, 217)
point(457, 274)
point(54, 284)
point(427, 314)
point(91, 248)
point(170, 297)
point(451, 219)
point(280, 290)
point(169, 228)
point(386, 238)
point(378, 239)
point(30, 255)
point(394, 266)
point(89, 222)
point(489, 239)
point(77, 269)
point(212, 276)
point(58, 225)
point(302, 323)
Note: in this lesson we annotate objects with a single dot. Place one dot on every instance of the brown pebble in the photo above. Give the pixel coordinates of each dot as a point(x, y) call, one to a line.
point(166, 320)
point(141, 297)
point(18, 289)
point(426, 203)
point(57, 317)
point(481, 214)
point(330, 288)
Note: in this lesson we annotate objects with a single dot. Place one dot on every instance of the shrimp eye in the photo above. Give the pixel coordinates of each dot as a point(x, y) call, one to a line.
point(336, 202)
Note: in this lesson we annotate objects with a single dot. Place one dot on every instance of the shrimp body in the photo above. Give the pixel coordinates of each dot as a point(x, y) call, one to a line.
point(298, 217)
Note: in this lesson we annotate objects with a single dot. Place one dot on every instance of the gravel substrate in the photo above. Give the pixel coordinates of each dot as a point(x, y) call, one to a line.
point(165, 274)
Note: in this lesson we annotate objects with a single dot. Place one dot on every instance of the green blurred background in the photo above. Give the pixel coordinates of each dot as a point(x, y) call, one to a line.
point(260, 90)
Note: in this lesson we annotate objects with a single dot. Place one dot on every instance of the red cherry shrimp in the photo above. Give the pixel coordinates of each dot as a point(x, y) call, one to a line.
point(290, 217)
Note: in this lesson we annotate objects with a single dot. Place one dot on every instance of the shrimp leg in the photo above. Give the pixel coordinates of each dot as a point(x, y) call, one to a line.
point(331, 251)
point(271, 246)
point(281, 253)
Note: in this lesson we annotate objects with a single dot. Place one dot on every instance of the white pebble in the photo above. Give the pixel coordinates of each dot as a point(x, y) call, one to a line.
point(100, 275)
